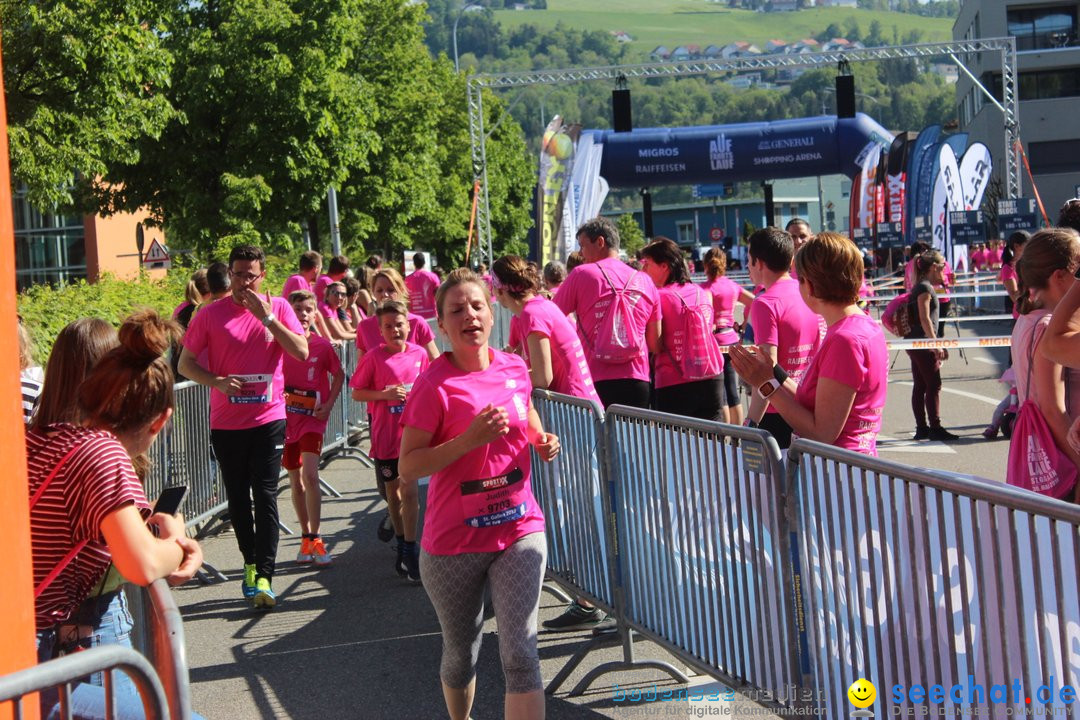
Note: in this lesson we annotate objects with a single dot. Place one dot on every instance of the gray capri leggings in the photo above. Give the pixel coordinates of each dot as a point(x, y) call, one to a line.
point(455, 584)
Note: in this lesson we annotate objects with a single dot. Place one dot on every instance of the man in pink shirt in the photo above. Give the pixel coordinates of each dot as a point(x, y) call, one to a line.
point(589, 291)
point(310, 267)
point(784, 327)
point(422, 285)
point(243, 338)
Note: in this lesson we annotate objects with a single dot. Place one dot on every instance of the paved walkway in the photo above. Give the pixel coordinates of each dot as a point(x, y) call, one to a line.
point(354, 641)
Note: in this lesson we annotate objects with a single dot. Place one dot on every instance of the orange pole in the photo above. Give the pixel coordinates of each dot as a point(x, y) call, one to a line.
point(472, 220)
point(17, 650)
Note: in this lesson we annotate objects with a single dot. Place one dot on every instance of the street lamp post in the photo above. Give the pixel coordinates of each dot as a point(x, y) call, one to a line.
point(466, 6)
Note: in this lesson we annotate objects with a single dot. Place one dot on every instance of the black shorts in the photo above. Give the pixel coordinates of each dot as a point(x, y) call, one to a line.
point(386, 470)
point(778, 428)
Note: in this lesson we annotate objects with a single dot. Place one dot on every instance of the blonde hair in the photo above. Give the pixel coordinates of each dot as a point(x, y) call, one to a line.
point(461, 276)
point(394, 278)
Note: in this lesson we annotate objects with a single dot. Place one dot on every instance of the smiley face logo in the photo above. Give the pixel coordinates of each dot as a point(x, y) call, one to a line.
point(862, 693)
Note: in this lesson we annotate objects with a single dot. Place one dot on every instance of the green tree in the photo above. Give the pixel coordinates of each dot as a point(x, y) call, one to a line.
point(84, 82)
point(631, 236)
point(272, 117)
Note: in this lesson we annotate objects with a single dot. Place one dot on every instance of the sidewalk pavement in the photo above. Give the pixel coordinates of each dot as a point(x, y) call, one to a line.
point(355, 641)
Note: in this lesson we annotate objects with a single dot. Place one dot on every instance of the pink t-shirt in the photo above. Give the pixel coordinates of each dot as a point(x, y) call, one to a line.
point(668, 371)
point(378, 370)
point(236, 343)
point(994, 256)
point(483, 501)
point(321, 284)
point(422, 285)
point(516, 339)
point(725, 292)
point(854, 354)
point(368, 335)
point(307, 384)
point(978, 260)
point(947, 279)
point(569, 367)
point(587, 293)
point(780, 318)
point(294, 283)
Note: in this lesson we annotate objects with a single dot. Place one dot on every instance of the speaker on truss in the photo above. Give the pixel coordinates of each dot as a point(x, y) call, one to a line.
point(845, 96)
point(621, 118)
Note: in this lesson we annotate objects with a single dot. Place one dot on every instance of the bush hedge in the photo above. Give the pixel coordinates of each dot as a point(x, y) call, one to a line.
point(47, 309)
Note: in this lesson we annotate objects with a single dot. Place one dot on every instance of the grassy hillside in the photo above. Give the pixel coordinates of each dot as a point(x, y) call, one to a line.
point(680, 22)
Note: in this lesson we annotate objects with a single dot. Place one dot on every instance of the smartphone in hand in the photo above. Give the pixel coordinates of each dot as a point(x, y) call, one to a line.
point(171, 499)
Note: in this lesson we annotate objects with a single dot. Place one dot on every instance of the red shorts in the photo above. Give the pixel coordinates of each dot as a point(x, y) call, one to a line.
point(308, 443)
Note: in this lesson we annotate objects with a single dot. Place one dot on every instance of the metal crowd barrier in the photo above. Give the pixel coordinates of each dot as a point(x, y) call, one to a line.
point(574, 498)
point(159, 635)
point(702, 544)
point(911, 577)
point(66, 671)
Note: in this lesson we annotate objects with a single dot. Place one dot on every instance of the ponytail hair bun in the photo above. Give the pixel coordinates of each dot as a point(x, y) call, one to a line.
point(145, 336)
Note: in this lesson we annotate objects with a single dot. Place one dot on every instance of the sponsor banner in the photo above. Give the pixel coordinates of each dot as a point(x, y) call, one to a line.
point(864, 214)
point(947, 196)
point(588, 190)
point(556, 164)
point(920, 179)
point(975, 167)
point(1018, 214)
point(951, 343)
point(896, 177)
point(732, 153)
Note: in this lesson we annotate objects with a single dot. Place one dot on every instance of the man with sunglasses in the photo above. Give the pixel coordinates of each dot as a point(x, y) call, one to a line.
point(241, 340)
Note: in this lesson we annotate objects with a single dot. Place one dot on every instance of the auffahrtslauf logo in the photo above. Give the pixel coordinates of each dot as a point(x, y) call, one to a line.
point(720, 155)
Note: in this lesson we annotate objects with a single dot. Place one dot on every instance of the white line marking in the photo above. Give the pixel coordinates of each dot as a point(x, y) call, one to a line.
point(988, 361)
point(890, 444)
point(962, 393)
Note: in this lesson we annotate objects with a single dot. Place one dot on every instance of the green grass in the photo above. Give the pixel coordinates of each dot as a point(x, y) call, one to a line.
point(681, 22)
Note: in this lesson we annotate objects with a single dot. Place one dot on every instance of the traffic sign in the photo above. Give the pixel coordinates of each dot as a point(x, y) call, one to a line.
point(157, 256)
point(716, 234)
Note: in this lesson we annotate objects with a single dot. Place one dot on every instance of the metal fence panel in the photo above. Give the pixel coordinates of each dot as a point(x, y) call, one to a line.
point(916, 577)
point(702, 546)
point(182, 455)
point(574, 498)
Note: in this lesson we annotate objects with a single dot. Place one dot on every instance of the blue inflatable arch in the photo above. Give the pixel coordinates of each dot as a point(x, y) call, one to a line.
point(804, 147)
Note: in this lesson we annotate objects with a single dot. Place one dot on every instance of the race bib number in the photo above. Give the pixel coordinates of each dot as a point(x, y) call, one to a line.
point(398, 409)
point(494, 501)
point(254, 389)
point(301, 402)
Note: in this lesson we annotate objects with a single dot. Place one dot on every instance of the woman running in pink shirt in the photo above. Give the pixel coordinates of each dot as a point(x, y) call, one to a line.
point(469, 424)
point(726, 294)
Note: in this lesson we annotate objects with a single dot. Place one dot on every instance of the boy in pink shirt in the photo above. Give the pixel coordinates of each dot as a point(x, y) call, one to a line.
point(590, 290)
point(422, 285)
point(784, 327)
point(245, 336)
point(383, 380)
point(311, 389)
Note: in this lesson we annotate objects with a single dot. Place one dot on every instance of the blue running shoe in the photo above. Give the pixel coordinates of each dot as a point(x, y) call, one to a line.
point(264, 596)
point(247, 585)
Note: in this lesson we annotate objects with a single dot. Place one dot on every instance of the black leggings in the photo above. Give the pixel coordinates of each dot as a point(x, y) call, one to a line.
point(630, 392)
point(250, 462)
point(731, 385)
point(926, 391)
point(701, 399)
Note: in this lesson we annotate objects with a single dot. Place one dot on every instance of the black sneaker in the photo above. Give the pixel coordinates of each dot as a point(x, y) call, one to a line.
point(385, 531)
point(412, 565)
point(921, 433)
point(942, 435)
point(399, 563)
point(575, 617)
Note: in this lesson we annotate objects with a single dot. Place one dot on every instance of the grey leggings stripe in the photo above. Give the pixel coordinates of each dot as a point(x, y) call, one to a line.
point(455, 584)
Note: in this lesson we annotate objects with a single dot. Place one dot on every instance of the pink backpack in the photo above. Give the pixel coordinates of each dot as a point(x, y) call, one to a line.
point(897, 315)
point(615, 339)
point(700, 357)
point(1035, 462)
